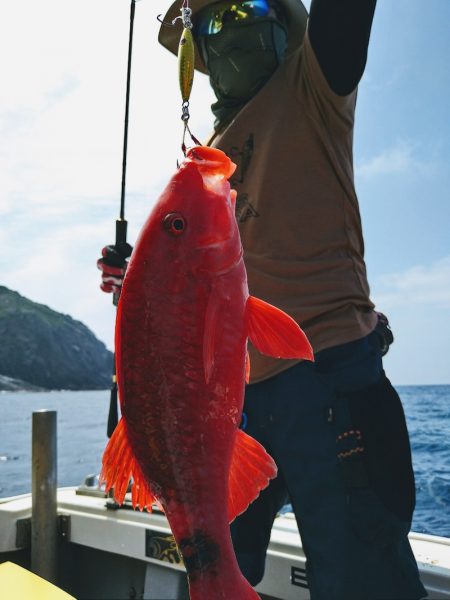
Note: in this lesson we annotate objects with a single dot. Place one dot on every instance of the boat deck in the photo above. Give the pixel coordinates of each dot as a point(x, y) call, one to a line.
point(107, 552)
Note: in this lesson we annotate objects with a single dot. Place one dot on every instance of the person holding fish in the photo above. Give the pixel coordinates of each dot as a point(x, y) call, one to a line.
point(286, 85)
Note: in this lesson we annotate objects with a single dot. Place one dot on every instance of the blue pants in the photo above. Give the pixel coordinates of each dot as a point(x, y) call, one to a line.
point(337, 432)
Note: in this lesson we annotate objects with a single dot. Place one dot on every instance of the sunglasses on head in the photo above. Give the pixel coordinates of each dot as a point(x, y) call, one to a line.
point(211, 19)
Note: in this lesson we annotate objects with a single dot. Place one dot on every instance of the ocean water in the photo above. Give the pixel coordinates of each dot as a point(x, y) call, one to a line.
point(82, 437)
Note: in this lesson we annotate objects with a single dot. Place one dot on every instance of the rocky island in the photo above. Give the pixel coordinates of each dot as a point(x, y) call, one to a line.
point(41, 349)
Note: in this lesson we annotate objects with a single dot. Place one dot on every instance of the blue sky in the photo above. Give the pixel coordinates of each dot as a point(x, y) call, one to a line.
point(63, 70)
point(402, 158)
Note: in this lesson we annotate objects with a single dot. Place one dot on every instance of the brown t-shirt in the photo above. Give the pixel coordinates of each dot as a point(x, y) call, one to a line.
point(297, 207)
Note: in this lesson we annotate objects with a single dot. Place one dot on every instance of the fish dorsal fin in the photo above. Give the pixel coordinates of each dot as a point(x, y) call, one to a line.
point(250, 472)
point(119, 465)
point(275, 333)
point(210, 334)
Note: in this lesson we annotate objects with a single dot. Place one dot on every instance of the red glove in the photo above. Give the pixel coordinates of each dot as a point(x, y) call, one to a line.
point(113, 265)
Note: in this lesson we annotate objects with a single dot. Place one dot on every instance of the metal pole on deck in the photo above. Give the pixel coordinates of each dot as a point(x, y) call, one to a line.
point(43, 488)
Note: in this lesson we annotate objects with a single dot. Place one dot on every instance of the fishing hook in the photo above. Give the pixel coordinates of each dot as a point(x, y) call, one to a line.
point(185, 17)
point(164, 22)
point(193, 138)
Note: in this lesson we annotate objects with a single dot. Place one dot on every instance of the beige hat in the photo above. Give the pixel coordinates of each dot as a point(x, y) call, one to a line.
point(169, 37)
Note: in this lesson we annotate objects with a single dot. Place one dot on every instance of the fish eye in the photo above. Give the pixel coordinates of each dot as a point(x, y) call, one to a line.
point(174, 223)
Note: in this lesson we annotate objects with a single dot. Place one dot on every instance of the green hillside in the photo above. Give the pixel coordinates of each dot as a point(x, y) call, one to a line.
point(45, 349)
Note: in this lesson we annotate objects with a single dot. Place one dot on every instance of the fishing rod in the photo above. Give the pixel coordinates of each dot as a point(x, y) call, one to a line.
point(121, 222)
point(186, 76)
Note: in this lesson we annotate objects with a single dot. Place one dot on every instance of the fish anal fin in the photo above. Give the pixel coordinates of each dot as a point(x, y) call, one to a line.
point(119, 465)
point(275, 333)
point(250, 472)
point(141, 493)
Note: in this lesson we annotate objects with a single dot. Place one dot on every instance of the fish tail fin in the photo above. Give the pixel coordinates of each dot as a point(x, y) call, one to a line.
point(248, 593)
point(119, 465)
point(250, 472)
point(275, 333)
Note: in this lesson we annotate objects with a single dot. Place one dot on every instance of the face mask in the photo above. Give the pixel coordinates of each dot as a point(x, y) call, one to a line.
point(240, 59)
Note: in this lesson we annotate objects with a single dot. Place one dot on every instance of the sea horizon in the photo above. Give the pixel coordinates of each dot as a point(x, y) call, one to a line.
point(82, 420)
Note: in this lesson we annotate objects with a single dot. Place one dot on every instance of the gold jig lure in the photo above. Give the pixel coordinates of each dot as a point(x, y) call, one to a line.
point(186, 60)
point(186, 66)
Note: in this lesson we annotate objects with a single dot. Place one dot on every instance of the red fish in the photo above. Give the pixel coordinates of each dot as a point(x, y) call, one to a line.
point(183, 320)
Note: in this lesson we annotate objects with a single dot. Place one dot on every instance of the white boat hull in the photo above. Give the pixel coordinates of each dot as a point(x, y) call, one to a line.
point(140, 545)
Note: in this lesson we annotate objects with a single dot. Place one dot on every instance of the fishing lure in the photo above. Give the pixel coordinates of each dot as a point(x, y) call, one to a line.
point(186, 67)
point(186, 57)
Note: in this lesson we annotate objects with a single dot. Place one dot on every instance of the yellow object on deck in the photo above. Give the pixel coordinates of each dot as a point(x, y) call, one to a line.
point(16, 583)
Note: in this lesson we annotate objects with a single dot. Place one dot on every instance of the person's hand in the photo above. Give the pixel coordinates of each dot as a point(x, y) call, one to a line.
point(383, 329)
point(113, 265)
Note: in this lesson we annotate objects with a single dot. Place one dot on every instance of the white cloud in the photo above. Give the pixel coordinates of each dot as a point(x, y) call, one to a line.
point(419, 285)
point(62, 107)
point(402, 158)
point(58, 269)
point(63, 96)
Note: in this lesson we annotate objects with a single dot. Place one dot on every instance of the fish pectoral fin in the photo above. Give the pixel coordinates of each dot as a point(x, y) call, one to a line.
point(250, 472)
point(247, 367)
point(119, 465)
point(275, 333)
